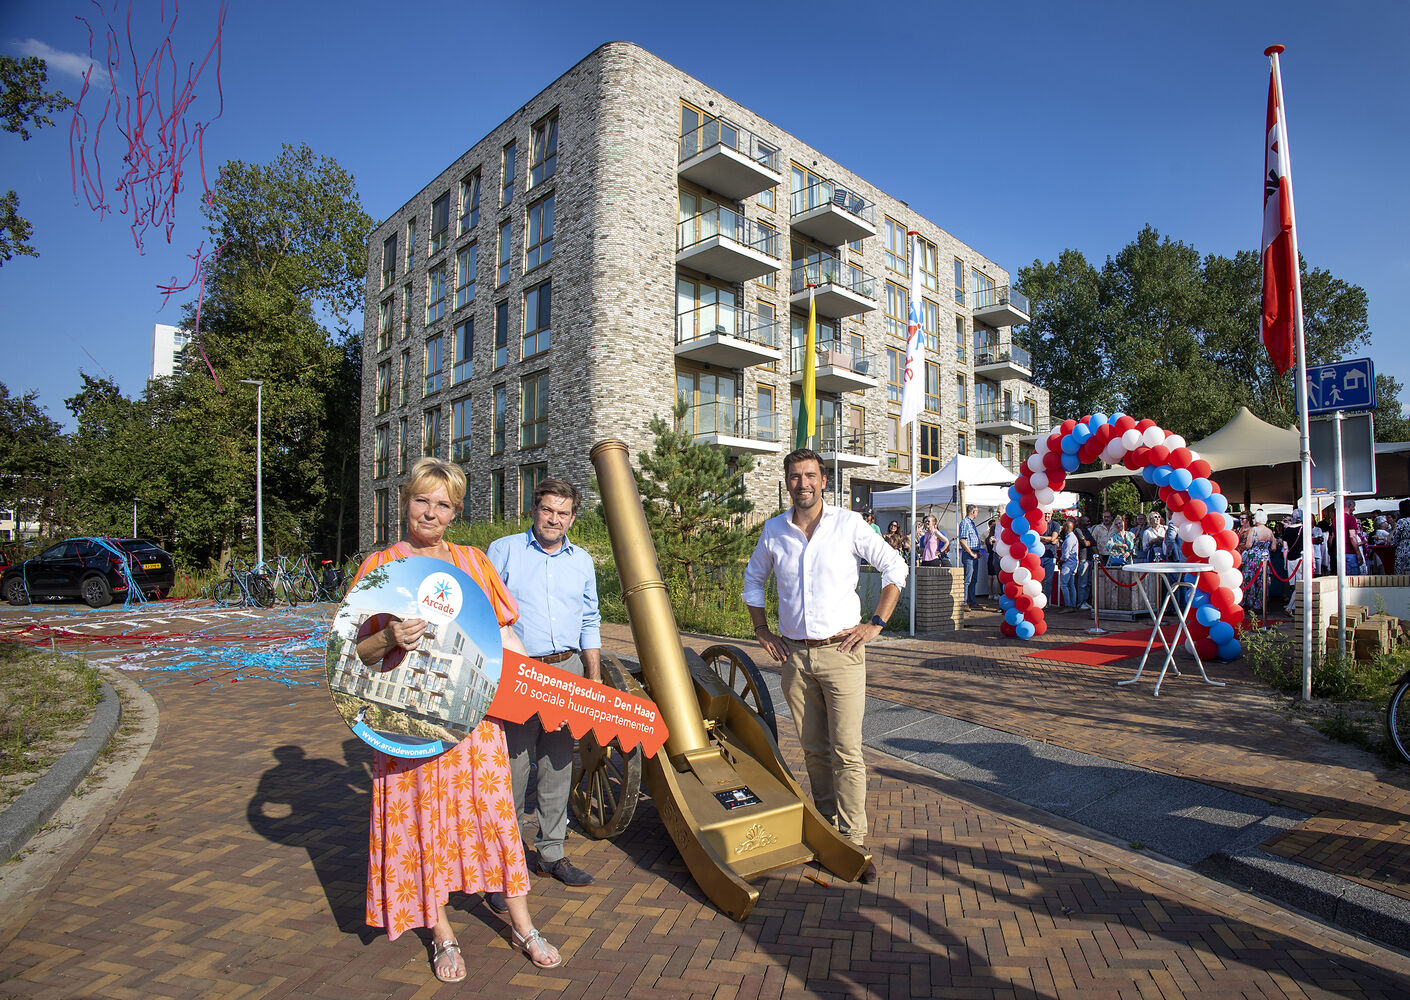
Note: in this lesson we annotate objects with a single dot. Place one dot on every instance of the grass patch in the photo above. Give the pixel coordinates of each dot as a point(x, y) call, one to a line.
point(42, 694)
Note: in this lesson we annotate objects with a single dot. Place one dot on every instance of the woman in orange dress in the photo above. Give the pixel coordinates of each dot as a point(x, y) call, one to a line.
point(446, 823)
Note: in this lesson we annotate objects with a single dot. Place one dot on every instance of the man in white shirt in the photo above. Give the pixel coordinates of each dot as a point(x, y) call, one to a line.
point(812, 550)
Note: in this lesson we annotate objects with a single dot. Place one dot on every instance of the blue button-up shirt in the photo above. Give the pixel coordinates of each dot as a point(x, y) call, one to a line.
point(556, 592)
point(970, 533)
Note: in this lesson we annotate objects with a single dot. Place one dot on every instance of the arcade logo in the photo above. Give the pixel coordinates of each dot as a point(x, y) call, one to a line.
point(439, 598)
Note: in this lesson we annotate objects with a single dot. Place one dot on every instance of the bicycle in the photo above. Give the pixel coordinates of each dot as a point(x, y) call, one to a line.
point(244, 587)
point(1398, 717)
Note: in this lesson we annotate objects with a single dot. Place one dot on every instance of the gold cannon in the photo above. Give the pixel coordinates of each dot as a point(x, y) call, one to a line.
point(720, 785)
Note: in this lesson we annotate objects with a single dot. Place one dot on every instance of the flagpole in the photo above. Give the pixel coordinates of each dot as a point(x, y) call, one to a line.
point(1304, 435)
point(913, 308)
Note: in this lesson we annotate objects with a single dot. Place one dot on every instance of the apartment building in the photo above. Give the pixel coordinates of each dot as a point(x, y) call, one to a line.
point(631, 235)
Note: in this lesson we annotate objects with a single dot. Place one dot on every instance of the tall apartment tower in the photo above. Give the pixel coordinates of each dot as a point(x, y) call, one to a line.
point(631, 235)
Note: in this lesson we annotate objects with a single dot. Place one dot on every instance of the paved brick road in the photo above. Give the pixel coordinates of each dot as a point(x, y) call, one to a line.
point(234, 867)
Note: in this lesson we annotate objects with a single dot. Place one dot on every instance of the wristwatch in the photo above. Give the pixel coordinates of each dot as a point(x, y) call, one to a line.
point(878, 621)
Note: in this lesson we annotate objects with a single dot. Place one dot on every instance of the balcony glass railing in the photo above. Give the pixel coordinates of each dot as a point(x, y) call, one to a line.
point(989, 352)
point(730, 225)
point(1001, 295)
point(724, 319)
point(726, 417)
point(996, 412)
point(716, 132)
point(821, 193)
point(835, 355)
point(831, 271)
point(844, 440)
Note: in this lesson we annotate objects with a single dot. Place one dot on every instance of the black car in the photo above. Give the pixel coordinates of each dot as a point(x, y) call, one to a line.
point(92, 569)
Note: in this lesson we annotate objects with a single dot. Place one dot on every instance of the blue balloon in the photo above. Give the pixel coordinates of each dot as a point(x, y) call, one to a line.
point(1014, 495)
point(1013, 616)
point(1036, 549)
point(1070, 463)
point(1200, 489)
point(1071, 443)
point(1201, 598)
point(1230, 650)
point(1221, 632)
point(1014, 509)
point(1148, 473)
point(1217, 502)
point(1098, 419)
point(1025, 629)
point(1180, 479)
point(1005, 601)
point(1081, 432)
point(1164, 475)
point(1207, 615)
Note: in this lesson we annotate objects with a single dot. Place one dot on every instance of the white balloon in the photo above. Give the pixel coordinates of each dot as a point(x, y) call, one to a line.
point(1229, 522)
point(1178, 518)
point(1113, 452)
point(1008, 564)
point(1194, 455)
point(1152, 437)
point(1232, 579)
point(1035, 462)
point(1238, 594)
point(1032, 588)
point(1174, 441)
point(1221, 560)
point(1189, 531)
point(1131, 440)
point(1042, 446)
point(1045, 497)
point(1204, 546)
point(1038, 480)
point(1040, 601)
point(1021, 575)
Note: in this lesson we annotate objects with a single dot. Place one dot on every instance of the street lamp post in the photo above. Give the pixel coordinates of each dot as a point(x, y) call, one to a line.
point(134, 517)
point(259, 467)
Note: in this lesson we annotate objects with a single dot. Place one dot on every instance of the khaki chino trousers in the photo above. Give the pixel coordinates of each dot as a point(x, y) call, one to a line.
point(826, 691)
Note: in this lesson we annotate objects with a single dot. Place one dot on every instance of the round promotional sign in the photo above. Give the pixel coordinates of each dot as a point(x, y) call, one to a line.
point(421, 702)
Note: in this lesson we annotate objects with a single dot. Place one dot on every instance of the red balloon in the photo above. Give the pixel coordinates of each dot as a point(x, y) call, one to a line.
point(1008, 630)
point(1131, 461)
point(1052, 462)
point(1209, 581)
point(1195, 510)
point(1066, 427)
point(1037, 520)
point(1238, 558)
point(1235, 617)
point(1199, 469)
point(1013, 590)
point(1032, 614)
point(1018, 550)
point(1227, 538)
point(1206, 649)
point(1124, 423)
point(1142, 425)
point(1040, 626)
point(1089, 451)
point(1180, 458)
point(1023, 602)
point(1028, 501)
point(1197, 630)
point(1159, 455)
point(1022, 484)
point(1214, 487)
point(1188, 550)
point(1211, 522)
point(1103, 435)
point(1039, 574)
point(1030, 562)
point(1223, 599)
point(1177, 500)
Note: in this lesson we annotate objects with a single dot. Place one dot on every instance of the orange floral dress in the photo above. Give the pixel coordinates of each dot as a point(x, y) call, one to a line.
point(447, 823)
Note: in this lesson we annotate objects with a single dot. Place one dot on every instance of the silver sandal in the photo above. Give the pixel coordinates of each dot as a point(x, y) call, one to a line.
point(528, 941)
point(437, 950)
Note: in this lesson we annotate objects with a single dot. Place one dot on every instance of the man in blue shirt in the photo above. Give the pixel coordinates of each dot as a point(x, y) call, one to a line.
point(556, 587)
point(969, 554)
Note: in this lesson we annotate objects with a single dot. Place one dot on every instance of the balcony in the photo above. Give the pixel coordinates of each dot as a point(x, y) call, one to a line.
point(997, 419)
point(831, 214)
point(846, 447)
point(1042, 427)
point(724, 335)
point(738, 429)
point(1001, 306)
point(838, 368)
point(996, 361)
point(727, 245)
point(841, 290)
point(728, 160)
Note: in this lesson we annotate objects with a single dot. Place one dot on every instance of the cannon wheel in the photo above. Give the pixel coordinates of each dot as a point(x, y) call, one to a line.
point(738, 671)
point(606, 781)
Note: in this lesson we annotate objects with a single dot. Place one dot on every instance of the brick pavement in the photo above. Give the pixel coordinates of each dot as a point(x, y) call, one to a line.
point(233, 867)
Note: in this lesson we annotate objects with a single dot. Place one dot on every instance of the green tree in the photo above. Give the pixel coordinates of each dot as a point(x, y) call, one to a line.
point(1391, 424)
point(32, 460)
point(1072, 355)
point(693, 496)
point(23, 102)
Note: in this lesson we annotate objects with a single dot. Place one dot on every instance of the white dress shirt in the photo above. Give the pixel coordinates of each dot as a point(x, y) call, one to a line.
point(817, 577)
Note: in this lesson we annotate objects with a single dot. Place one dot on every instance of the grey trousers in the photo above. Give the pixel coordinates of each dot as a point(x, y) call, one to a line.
point(552, 751)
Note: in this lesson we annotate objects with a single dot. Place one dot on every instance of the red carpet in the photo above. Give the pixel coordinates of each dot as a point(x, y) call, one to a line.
point(1100, 650)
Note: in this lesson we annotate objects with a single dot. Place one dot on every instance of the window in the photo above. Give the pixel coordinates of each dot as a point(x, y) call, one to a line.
point(389, 260)
point(898, 448)
point(463, 359)
point(702, 310)
point(501, 414)
point(505, 234)
point(982, 287)
point(898, 318)
point(962, 397)
point(435, 294)
point(543, 150)
point(959, 282)
point(895, 371)
point(1008, 458)
point(405, 311)
point(497, 494)
point(768, 332)
point(465, 263)
point(538, 234)
point(533, 410)
point(431, 433)
point(501, 335)
point(410, 245)
point(767, 233)
point(382, 451)
point(384, 387)
point(435, 360)
point(985, 446)
point(960, 343)
point(930, 329)
point(538, 303)
point(506, 174)
point(766, 197)
point(932, 387)
point(529, 478)
point(469, 203)
point(929, 436)
point(827, 340)
point(460, 430)
point(712, 401)
point(961, 445)
point(384, 325)
point(765, 419)
point(382, 518)
point(809, 190)
point(404, 387)
point(440, 222)
point(895, 237)
point(929, 265)
point(404, 441)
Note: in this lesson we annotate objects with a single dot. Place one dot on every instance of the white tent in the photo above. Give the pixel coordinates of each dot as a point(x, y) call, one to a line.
point(984, 482)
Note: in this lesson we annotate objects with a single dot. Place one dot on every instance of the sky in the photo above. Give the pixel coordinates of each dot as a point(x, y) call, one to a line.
point(1024, 129)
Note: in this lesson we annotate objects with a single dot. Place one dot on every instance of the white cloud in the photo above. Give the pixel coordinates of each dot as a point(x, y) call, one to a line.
point(67, 63)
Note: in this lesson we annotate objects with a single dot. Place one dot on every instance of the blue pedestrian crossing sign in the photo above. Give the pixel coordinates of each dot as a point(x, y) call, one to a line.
point(1342, 385)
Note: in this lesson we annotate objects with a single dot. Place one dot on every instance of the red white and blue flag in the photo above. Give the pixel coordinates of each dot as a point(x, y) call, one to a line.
point(913, 380)
point(1279, 240)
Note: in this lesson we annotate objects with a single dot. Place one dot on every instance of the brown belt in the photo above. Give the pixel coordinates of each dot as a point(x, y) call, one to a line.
point(822, 642)
point(556, 657)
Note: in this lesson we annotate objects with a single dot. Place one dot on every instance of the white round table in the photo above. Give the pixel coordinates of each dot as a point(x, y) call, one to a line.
point(1170, 571)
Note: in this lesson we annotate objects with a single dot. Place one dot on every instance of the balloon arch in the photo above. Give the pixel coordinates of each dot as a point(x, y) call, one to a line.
point(1197, 510)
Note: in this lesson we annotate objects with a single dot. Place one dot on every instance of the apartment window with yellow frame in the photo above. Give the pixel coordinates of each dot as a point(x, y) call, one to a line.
point(404, 447)
point(382, 451)
point(929, 265)
point(469, 202)
point(381, 520)
point(962, 397)
point(389, 260)
point(533, 410)
point(440, 222)
point(384, 324)
point(930, 333)
point(497, 494)
point(529, 478)
point(769, 330)
point(894, 234)
point(404, 385)
point(384, 387)
point(767, 197)
point(543, 150)
point(961, 344)
point(959, 282)
point(809, 190)
point(898, 318)
point(406, 310)
point(898, 449)
point(929, 436)
point(962, 445)
point(410, 245)
point(770, 278)
point(895, 371)
point(932, 387)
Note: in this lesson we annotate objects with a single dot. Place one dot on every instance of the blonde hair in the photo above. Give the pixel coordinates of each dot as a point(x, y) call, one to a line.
point(426, 475)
